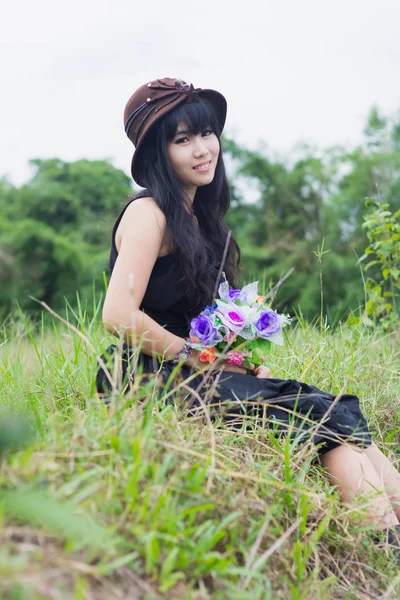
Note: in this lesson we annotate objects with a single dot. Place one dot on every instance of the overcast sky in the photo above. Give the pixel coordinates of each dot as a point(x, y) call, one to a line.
point(291, 70)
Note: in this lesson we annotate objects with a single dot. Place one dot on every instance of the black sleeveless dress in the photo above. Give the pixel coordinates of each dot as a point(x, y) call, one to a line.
point(282, 404)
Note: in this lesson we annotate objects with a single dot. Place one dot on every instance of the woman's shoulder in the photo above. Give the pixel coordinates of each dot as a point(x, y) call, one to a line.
point(144, 209)
point(141, 212)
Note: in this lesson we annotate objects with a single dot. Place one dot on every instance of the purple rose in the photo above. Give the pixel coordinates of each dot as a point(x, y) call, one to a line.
point(268, 323)
point(235, 318)
point(203, 328)
point(232, 316)
point(234, 295)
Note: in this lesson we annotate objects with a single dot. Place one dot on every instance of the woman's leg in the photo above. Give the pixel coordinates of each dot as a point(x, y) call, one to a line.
point(352, 471)
point(389, 475)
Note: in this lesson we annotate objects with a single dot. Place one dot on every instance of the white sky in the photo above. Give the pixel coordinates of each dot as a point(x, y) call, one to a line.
point(291, 70)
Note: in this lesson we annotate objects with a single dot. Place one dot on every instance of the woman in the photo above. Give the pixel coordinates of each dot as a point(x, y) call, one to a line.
point(167, 253)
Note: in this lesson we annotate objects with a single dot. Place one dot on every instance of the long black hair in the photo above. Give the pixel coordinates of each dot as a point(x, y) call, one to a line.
point(199, 249)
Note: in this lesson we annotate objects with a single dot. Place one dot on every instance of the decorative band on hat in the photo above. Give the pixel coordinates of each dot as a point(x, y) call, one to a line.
point(142, 122)
point(160, 96)
point(133, 115)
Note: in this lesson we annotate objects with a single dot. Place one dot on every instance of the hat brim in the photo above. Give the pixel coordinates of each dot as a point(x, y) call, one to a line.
point(216, 100)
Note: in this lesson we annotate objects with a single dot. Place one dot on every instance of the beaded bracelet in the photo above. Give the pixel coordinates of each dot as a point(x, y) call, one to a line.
point(183, 354)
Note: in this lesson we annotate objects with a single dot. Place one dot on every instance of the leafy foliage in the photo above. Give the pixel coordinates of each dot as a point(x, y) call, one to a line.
point(383, 231)
point(314, 199)
point(55, 231)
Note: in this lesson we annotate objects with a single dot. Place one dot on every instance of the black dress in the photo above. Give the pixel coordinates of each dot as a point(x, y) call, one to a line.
point(281, 403)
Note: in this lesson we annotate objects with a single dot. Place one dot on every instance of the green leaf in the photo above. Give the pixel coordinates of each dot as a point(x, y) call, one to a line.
point(259, 344)
point(169, 563)
point(172, 580)
point(126, 559)
point(152, 552)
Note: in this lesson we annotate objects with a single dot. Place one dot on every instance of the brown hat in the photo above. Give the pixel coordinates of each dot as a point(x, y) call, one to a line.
point(155, 99)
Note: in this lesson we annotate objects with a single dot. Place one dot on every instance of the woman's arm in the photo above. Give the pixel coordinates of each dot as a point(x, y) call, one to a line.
point(139, 238)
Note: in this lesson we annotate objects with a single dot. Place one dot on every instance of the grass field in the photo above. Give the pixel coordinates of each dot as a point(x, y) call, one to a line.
point(140, 501)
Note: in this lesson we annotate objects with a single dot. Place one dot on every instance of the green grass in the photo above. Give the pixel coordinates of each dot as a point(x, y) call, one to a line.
point(142, 501)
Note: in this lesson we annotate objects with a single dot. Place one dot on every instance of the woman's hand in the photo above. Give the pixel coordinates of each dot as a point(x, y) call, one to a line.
point(262, 372)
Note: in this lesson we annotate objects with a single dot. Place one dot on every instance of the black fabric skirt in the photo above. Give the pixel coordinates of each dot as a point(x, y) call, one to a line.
point(287, 405)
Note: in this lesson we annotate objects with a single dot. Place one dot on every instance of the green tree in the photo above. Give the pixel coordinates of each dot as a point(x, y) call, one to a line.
point(317, 196)
point(36, 261)
point(55, 230)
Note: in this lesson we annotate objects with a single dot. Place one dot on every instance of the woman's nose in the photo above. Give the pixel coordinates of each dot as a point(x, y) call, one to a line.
point(200, 146)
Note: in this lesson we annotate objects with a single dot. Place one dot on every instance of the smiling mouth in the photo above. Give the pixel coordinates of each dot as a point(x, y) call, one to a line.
point(203, 167)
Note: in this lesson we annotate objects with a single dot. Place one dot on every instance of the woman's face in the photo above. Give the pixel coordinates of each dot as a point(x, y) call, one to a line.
point(193, 157)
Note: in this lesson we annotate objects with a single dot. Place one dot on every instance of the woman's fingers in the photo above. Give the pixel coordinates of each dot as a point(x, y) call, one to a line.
point(262, 372)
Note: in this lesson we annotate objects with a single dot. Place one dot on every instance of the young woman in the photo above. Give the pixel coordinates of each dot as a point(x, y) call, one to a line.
point(167, 251)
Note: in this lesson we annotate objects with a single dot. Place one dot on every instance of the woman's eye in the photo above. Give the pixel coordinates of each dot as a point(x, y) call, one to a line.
point(207, 132)
point(181, 140)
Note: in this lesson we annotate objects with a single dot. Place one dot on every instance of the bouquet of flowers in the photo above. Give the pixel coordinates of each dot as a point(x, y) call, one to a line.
point(239, 327)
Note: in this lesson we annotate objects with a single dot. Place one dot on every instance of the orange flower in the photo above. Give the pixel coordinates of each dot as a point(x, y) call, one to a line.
point(260, 299)
point(208, 355)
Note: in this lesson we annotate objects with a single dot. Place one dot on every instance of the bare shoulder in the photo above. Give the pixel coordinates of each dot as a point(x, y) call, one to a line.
point(145, 208)
point(143, 213)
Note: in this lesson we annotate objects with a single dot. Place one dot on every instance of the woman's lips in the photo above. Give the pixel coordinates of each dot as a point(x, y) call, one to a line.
point(203, 167)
